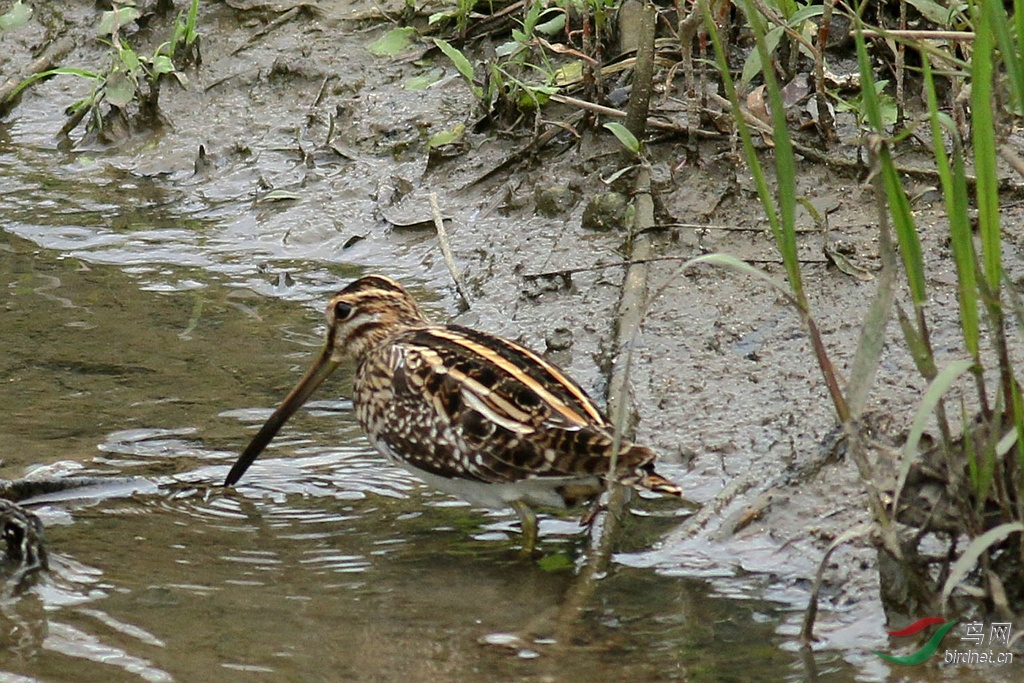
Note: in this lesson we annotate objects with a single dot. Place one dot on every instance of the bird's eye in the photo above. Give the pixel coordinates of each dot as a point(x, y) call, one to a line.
point(343, 311)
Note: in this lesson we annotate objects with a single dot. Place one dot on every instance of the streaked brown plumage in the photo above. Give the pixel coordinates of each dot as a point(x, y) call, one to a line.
point(472, 414)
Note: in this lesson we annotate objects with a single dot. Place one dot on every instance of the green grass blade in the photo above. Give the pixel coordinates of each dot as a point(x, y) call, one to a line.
point(1018, 427)
point(1018, 26)
point(625, 136)
point(60, 71)
point(462, 64)
point(871, 340)
point(899, 205)
point(742, 128)
point(904, 226)
point(984, 137)
point(785, 163)
point(966, 562)
point(969, 451)
point(917, 346)
point(954, 190)
point(936, 390)
point(744, 268)
point(782, 221)
point(995, 15)
point(744, 132)
point(871, 108)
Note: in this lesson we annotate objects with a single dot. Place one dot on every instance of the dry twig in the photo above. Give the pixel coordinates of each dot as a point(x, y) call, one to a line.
point(446, 251)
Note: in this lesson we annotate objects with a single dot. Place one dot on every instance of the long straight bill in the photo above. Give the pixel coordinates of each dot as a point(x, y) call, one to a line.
point(313, 378)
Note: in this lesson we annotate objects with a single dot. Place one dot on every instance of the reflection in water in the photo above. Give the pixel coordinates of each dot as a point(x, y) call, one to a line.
point(72, 642)
point(33, 632)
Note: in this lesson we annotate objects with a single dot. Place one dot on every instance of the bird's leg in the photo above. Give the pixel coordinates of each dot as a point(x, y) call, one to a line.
point(528, 524)
point(597, 507)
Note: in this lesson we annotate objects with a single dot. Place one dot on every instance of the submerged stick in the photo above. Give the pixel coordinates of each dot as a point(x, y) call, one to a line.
point(620, 406)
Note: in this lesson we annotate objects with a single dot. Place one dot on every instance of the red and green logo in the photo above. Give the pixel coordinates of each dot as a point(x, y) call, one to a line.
point(928, 649)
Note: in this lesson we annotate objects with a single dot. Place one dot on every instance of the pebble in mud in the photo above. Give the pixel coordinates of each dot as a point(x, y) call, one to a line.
point(558, 339)
point(606, 211)
point(554, 200)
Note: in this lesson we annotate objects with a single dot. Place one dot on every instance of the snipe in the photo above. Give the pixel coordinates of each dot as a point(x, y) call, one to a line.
point(471, 414)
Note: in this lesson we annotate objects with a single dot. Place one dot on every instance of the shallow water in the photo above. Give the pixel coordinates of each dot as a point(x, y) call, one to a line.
point(326, 564)
point(145, 339)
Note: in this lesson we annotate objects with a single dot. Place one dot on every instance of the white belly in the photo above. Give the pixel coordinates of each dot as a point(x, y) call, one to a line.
point(535, 490)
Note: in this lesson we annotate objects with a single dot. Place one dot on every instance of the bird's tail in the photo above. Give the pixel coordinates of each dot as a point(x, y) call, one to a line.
point(644, 476)
point(653, 481)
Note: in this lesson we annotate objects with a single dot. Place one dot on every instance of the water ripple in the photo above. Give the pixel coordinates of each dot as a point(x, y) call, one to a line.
point(70, 641)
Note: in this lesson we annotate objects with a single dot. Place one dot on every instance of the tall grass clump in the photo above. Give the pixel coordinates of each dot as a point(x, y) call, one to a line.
point(948, 522)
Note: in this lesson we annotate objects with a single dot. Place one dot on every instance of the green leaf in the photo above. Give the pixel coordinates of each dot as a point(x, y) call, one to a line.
point(115, 19)
point(916, 344)
point(618, 174)
point(805, 13)
point(899, 205)
point(570, 73)
point(1009, 52)
point(456, 57)
point(752, 66)
point(16, 17)
point(550, 28)
point(447, 137)
point(162, 64)
point(784, 221)
point(535, 96)
point(507, 49)
point(744, 268)
point(128, 57)
point(935, 12)
point(394, 42)
point(872, 336)
point(845, 265)
point(60, 71)
point(120, 89)
point(532, 15)
point(954, 190)
point(985, 155)
point(424, 80)
point(625, 136)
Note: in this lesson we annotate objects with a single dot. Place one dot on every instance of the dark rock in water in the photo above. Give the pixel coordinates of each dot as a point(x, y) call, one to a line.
point(25, 552)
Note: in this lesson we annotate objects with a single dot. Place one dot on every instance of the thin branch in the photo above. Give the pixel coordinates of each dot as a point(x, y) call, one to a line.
point(446, 251)
point(54, 53)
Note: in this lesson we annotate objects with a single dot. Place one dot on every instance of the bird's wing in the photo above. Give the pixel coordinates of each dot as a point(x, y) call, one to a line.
point(496, 411)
